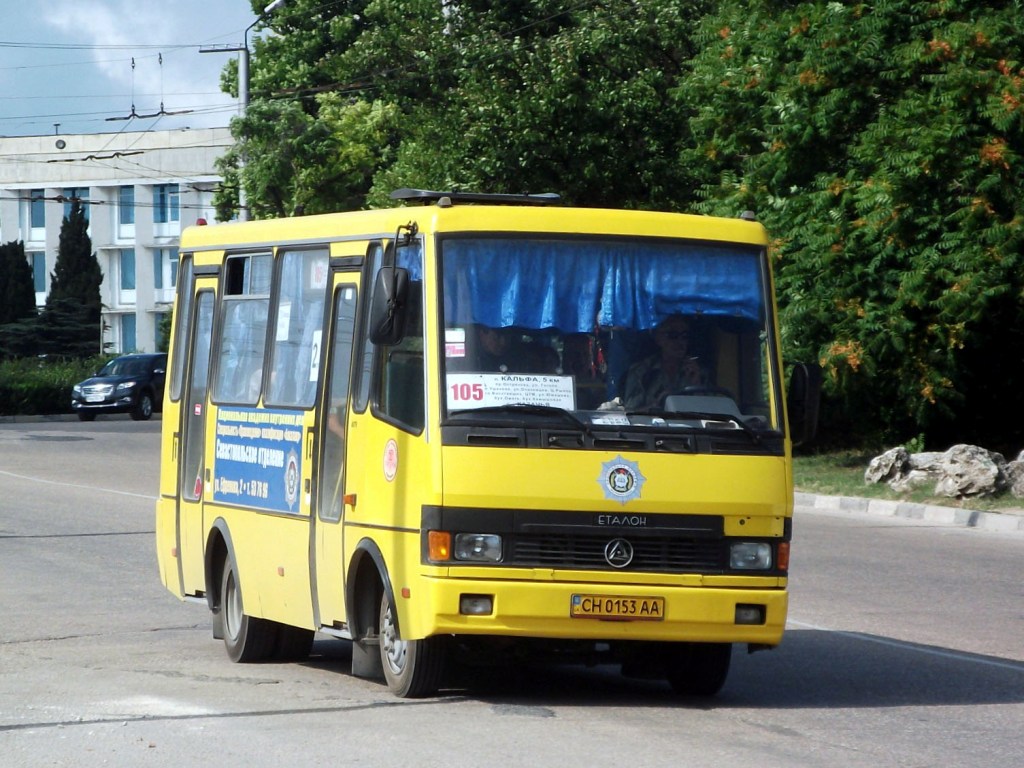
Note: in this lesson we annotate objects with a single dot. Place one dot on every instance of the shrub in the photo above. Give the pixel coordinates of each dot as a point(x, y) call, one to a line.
point(40, 386)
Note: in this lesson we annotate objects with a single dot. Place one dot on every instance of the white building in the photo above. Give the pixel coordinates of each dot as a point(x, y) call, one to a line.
point(139, 190)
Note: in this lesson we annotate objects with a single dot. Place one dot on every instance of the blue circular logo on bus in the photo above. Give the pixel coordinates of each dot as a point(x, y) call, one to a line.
point(621, 479)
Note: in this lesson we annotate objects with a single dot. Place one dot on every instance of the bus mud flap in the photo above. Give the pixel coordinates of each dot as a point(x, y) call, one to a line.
point(366, 661)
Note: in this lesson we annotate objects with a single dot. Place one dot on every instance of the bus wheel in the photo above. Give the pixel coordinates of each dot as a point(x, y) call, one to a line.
point(246, 638)
point(412, 668)
point(698, 669)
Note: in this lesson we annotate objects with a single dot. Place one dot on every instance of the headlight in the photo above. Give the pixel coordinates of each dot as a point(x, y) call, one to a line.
point(750, 556)
point(478, 547)
point(76, 389)
point(125, 385)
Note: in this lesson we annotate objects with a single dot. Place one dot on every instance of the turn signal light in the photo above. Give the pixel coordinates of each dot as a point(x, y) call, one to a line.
point(783, 556)
point(439, 545)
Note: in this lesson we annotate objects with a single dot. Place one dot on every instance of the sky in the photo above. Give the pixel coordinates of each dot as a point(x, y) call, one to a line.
point(66, 65)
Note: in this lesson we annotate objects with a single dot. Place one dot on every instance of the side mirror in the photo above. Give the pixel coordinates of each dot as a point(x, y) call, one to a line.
point(388, 307)
point(803, 401)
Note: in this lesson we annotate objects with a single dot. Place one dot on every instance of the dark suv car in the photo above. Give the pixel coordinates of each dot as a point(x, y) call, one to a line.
point(128, 384)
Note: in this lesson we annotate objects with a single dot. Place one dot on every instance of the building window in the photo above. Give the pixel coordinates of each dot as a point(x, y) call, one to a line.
point(126, 205)
point(158, 328)
point(128, 343)
point(127, 269)
point(76, 193)
point(165, 268)
point(38, 207)
point(165, 203)
point(38, 271)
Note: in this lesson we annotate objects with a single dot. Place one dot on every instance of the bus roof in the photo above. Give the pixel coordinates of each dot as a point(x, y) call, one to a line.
point(448, 217)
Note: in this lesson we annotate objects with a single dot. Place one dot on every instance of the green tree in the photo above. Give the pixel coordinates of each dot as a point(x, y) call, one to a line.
point(352, 99)
point(881, 145)
point(17, 290)
point(18, 333)
point(70, 321)
point(298, 151)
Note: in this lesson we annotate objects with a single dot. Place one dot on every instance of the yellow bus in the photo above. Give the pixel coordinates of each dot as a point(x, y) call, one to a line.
point(480, 423)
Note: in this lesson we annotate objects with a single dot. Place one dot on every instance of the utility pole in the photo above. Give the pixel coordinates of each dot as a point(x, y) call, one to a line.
point(243, 88)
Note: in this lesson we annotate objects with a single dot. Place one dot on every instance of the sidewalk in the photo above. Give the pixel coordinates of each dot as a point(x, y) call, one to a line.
point(967, 518)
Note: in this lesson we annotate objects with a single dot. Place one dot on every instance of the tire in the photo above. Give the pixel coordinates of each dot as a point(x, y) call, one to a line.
point(698, 669)
point(143, 407)
point(86, 416)
point(246, 638)
point(412, 668)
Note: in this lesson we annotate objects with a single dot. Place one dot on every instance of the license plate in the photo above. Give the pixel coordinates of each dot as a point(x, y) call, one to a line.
point(94, 398)
point(616, 607)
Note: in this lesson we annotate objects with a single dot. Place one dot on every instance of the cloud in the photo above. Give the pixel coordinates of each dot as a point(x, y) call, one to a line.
point(163, 39)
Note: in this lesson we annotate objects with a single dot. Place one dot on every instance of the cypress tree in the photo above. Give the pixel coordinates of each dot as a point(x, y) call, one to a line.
point(17, 292)
point(71, 319)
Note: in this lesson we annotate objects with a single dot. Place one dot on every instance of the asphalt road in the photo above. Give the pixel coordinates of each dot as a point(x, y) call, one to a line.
point(905, 648)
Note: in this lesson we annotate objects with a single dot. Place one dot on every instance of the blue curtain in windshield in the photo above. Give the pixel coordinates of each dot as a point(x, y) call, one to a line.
point(572, 285)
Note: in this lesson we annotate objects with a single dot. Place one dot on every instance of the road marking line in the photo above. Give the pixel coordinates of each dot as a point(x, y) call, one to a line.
point(76, 485)
point(909, 646)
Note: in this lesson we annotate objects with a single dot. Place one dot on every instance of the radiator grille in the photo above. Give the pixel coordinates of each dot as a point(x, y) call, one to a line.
point(667, 554)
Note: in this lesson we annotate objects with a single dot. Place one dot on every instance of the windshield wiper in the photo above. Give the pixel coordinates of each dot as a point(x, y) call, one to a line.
point(533, 410)
point(702, 415)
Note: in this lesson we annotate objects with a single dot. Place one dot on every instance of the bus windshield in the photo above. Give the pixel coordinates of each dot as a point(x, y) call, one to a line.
point(616, 332)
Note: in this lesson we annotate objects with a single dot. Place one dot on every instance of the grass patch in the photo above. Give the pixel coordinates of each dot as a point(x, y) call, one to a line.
point(842, 474)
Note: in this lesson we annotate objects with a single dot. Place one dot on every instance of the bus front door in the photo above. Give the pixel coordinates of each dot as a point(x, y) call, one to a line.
point(191, 481)
point(329, 561)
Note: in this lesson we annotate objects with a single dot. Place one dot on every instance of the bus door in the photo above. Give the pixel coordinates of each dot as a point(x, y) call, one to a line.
point(193, 439)
point(329, 562)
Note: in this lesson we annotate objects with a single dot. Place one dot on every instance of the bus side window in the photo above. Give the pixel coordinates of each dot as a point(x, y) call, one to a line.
point(298, 331)
point(399, 385)
point(243, 335)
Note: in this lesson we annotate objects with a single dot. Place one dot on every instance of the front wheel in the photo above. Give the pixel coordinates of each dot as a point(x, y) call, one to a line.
point(143, 407)
point(698, 669)
point(412, 668)
point(246, 638)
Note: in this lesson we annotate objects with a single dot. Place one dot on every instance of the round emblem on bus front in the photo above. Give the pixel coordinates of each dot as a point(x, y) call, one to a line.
point(621, 479)
point(618, 553)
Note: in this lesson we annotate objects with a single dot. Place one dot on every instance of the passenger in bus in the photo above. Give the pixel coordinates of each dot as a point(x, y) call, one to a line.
point(667, 372)
point(580, 360)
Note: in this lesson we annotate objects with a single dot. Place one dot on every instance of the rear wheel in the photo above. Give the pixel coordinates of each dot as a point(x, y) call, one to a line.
point(246, 638)
point(412, 668)
point(698, 669)
point(143, 407)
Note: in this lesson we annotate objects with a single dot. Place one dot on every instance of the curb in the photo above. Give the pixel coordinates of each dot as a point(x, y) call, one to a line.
point(35, 419)
point(966, 518)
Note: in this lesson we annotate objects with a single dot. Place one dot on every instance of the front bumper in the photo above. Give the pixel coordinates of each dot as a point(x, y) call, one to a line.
point(542, 610)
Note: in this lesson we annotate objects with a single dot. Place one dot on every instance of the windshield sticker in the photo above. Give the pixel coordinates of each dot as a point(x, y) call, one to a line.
point(621, 479)
point(611, 419)
point(454, 342)
point(486, 390)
